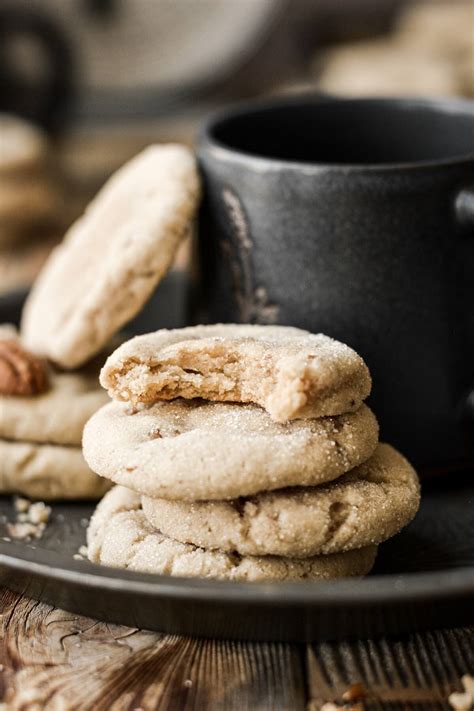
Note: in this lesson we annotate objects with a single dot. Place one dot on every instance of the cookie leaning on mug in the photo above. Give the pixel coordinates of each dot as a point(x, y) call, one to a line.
point(98, 278)
point(113, 257)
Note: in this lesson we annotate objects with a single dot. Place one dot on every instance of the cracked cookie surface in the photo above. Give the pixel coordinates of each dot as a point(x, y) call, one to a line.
point(119, 535)
point(290, 372)
point(113, 257)
point(194, 450)
point(43, 471)
point(366, 506)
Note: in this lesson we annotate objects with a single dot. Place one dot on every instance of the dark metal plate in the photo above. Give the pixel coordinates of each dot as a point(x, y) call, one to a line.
point(423, 578)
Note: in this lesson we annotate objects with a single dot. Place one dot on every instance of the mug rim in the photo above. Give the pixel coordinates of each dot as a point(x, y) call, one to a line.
point(445, 105)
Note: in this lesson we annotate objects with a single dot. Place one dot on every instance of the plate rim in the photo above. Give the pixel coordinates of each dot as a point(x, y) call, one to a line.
point(374, 589)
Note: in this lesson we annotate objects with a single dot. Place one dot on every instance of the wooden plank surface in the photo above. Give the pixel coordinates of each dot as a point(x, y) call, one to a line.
point(52, 659)
point(417, 673)
point(58, 660)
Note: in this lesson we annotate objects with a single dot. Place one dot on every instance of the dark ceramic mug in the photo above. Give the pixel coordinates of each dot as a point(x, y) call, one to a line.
point(354, 218)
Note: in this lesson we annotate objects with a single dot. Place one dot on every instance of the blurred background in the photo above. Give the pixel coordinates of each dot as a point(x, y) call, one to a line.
point(85, 84)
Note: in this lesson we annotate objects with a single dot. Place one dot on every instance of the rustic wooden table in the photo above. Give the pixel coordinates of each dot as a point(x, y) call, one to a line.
point(52, 659)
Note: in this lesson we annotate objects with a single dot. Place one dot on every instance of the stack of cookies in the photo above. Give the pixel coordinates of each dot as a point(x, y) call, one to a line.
point(243, 452)
point(107, 266)
point(42, 414)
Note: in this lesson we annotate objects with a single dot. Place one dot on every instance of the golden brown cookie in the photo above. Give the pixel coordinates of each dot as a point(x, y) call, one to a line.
point(194, 450)
point(113, 257)
point(56, 416)
point(119, 535)
point(47, 472)
point(290, 372)
point(364, 507)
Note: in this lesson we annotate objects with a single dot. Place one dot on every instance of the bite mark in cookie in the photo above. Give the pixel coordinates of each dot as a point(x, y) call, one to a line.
point(289, 372)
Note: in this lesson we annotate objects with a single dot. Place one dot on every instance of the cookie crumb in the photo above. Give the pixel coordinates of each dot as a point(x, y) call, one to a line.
point(81, 553)
point(355, 692)
point(352, 700)
point(25, 531)
point(39, 513)
point(31, 519)
point(468, 682)
point(154, 433)
point(21, 505)
point(463, 700)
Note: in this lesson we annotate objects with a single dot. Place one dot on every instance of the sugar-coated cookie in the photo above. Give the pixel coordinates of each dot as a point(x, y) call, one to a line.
point(194, 450)
point(113, 257)
point(366, 506)
point(119, 535)
point(47, 472)
point(290, 372)
point(56, 416)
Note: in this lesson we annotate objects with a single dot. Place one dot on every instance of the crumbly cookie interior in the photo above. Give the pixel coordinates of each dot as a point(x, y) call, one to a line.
point(276, 376)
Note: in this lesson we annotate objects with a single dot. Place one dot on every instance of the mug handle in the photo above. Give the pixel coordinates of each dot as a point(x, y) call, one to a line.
point(464, 208)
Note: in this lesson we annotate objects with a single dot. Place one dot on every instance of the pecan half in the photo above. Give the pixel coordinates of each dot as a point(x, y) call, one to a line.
point(21, 372)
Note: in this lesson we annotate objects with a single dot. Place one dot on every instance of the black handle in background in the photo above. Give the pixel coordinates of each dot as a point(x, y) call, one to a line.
point(45, 99)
